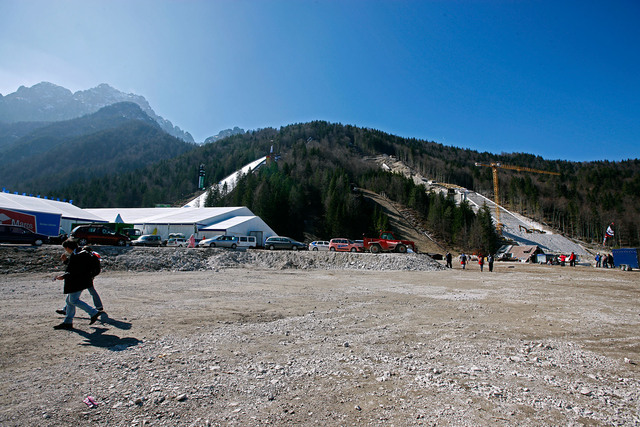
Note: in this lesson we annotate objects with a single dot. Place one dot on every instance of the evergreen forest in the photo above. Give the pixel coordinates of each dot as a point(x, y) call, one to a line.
point(309, 190)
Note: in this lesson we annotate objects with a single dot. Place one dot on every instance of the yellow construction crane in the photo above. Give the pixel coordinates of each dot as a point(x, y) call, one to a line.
point(494, 167)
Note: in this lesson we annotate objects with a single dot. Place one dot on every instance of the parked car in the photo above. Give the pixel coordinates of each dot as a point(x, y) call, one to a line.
point(221, 241)
point(98, 234)
point(132, 233)
point(178, 242)
point(18, 234)
point(175, 236)
point(319, 245)
point(280, 242)
point(345, 245)
point(247, 241)
point(148, 240)
point(57, 240)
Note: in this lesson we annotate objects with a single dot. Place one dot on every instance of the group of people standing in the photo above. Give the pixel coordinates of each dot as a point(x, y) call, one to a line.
point(563, 259)
point(464, 259)
point(82, 266)
point(604, 260)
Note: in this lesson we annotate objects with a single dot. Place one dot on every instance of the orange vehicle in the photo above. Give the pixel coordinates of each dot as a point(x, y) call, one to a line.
point(387, 242)
point(345, 245)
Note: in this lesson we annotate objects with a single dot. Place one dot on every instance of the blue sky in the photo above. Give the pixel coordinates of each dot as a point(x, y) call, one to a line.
point(560, 79)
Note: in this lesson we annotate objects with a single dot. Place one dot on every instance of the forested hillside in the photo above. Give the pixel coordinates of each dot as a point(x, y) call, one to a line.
point(117, 138)
point(309, 188)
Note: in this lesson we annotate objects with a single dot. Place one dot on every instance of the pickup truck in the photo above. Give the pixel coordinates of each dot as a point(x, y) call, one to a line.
point(387, 242)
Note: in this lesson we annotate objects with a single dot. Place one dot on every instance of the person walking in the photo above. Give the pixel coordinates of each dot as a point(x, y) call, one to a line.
point(77, 277)
point(481, 262)
point(97, 302)
point(448, 258)
point(490, 262)
point(463, 260)
point(572, 259)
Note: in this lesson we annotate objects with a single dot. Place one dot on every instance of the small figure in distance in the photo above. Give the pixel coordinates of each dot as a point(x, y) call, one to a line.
point(463, 260)
point(448, 258)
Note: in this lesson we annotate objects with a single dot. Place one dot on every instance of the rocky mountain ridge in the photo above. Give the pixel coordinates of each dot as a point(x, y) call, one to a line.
point(223, 134)
point(117, 138)
point(47, 102)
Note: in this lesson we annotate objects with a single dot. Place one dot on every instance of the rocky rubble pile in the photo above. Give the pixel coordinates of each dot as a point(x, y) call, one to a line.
point(47, 258)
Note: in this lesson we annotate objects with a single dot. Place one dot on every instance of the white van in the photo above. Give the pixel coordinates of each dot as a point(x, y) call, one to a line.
point(247, 242)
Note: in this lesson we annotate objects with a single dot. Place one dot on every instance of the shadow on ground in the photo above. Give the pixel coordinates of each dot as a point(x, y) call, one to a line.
point(98, 338)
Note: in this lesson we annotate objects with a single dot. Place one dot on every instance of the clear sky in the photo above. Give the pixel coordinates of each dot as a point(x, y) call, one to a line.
point(560, 79)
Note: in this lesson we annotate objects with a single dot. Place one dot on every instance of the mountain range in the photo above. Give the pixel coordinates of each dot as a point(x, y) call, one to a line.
point(223, 134)
point(117, 138)
point(120, 155)
point(47, 102)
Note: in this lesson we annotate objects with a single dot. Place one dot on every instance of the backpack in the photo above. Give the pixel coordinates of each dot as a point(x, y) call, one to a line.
point(93, 261)
point(95, 264)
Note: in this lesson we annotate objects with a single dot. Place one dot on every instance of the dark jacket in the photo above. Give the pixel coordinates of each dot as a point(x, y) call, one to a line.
point(78, 274)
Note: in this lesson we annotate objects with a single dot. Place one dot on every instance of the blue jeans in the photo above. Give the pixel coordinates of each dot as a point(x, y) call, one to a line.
point(97, 302)
point(73, 301)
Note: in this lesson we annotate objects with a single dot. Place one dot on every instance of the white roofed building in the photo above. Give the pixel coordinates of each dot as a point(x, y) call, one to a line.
point(240, 226)
point(49, 215)
point(201, 222)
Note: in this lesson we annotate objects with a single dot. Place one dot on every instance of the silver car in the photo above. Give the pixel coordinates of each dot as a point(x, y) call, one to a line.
point(148, 240)
point(177, 241)
point(319, 245)
point(221, 241)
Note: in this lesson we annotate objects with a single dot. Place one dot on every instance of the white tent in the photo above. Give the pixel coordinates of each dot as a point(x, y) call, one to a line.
point(47, 209)
point(240, 226)
point(187, 221)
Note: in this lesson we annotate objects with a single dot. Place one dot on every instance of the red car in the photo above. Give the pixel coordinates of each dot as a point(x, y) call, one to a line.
point(98, 234)
point(345, 245)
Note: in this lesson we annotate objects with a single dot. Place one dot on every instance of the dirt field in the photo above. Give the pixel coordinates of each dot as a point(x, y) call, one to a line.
point(247, 346)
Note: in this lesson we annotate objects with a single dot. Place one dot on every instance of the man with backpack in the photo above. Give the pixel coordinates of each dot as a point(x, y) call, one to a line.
point(78, 276)
point(96, 268)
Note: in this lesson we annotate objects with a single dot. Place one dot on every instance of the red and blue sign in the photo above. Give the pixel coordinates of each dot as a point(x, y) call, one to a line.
point(27, 221)
point(38, 222)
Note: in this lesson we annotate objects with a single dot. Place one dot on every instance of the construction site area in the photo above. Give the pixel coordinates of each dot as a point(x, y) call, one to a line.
point(518, 230)
point(202, 337)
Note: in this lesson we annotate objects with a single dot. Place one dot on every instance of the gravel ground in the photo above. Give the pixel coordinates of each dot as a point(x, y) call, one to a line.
point(215, 337)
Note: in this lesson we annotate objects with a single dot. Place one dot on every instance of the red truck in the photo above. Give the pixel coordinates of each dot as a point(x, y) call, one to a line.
point(387, 242)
